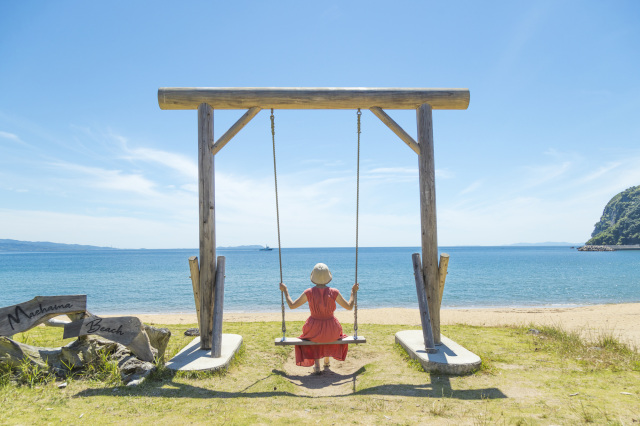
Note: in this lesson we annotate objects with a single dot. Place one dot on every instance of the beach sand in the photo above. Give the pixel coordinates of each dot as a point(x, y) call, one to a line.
point(620, 320)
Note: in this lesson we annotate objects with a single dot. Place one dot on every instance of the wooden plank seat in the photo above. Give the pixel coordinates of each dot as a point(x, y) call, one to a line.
point(296, 341)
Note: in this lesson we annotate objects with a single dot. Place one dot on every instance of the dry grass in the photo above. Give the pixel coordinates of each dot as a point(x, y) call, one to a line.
point(552, 377)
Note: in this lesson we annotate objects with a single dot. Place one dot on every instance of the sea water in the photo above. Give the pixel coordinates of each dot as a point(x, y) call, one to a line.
point(157, 281)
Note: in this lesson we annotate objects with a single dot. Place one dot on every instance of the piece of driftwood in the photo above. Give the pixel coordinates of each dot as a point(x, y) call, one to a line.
point(54, 322)
point(76, 356)
point(158, 339)
point(127, 331)
point(218, 295)
point(24, 316)
point(195, 283)
point(442, 272)
point(425, 318)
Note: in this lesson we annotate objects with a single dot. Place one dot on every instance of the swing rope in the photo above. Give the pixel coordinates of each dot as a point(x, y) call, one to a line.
point(275, 177)
point(355, 296)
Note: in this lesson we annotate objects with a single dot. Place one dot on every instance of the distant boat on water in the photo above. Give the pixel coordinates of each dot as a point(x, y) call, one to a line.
point(266, 248)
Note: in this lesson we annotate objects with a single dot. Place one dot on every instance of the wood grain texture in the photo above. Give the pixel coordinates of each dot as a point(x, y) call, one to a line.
point(311, 97)
point(428, 222)
point(233, 130)
point(127, 331)
point(216, 340)
point(24, 316)
point(206, 190)
point(423, 306)
point(395, 128)
point(299, 342)
point(442, 272)
point(195, 282)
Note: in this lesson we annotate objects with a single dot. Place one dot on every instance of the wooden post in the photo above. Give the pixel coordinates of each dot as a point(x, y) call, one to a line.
point(426, 169)
point(216, 340)
point(195, 282)
point(425, 318)
point(207, 222)
point(442, 273)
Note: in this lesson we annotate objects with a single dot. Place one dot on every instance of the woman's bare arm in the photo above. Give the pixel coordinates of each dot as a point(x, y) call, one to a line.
point(299, 301)
point(348, 305)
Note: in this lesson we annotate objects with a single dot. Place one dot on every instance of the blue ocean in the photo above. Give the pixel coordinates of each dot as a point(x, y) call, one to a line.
point(157, 281)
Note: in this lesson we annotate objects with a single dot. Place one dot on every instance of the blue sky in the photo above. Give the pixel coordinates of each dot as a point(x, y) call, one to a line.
point(88, 157)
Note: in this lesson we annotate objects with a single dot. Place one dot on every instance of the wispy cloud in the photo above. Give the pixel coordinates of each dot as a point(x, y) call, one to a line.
point(177, 162)
point(11, 137)
point(471, 188)
point(115, 180)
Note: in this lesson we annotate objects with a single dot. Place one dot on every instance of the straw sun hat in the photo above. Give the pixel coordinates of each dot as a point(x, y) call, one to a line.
point(321, 274)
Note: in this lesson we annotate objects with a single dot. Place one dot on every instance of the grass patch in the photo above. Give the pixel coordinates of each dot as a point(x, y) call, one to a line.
point(601, 352)
point(553, 377)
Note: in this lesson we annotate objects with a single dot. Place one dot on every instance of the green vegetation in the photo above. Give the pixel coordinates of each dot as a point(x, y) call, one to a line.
point(39, 246)
point(620, 221)
point(547, 376)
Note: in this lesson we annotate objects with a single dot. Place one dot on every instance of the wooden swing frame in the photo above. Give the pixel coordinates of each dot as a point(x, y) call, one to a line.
point(429, 273)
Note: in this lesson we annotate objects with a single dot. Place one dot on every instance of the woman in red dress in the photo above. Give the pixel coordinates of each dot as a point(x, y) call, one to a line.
point(322, 326)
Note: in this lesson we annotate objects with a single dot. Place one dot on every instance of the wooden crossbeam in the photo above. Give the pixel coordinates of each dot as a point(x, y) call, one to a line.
point(233, 130)
point(288, 341)
point(395, 128)
point(311, 97)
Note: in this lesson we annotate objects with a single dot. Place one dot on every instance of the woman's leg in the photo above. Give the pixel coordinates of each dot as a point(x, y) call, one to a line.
point(327, 362)
point(316, 366)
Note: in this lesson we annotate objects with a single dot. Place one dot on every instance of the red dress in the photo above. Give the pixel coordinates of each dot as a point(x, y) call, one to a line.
point(321, 327)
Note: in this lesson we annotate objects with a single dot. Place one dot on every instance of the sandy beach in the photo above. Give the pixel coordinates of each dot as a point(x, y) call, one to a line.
point(621, 320)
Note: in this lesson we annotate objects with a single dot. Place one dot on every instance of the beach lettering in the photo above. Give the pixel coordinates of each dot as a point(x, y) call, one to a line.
point(26, 315)
point(42, 310)
point(94, 327)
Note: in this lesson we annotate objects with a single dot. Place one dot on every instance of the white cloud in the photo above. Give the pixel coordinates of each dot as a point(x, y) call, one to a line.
point(471, 188)
point(11, 137)
point(177, 162)
point(114, 180)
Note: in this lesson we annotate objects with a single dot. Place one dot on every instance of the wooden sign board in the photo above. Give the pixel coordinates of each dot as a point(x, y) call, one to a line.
point(24, 316)
point(127, 331)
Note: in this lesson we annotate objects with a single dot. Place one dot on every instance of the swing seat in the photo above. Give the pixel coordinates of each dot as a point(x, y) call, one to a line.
point(289, 341)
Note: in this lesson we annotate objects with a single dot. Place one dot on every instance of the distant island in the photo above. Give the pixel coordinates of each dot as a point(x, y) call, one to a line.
point(8, 246)
point(248, 247)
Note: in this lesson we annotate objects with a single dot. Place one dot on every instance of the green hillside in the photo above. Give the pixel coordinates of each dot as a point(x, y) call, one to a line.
point(620, 221)
point(43, 246)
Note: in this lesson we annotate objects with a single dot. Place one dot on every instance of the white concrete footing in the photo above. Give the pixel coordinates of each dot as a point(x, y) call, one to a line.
point(451, 358)
point(192, 358)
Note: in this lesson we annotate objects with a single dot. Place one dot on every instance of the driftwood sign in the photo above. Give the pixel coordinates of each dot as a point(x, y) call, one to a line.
point(127, 331)
point(24, 316)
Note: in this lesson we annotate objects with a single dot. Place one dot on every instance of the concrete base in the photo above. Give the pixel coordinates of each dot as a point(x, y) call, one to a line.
point(451, 358)
point(192, 358)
